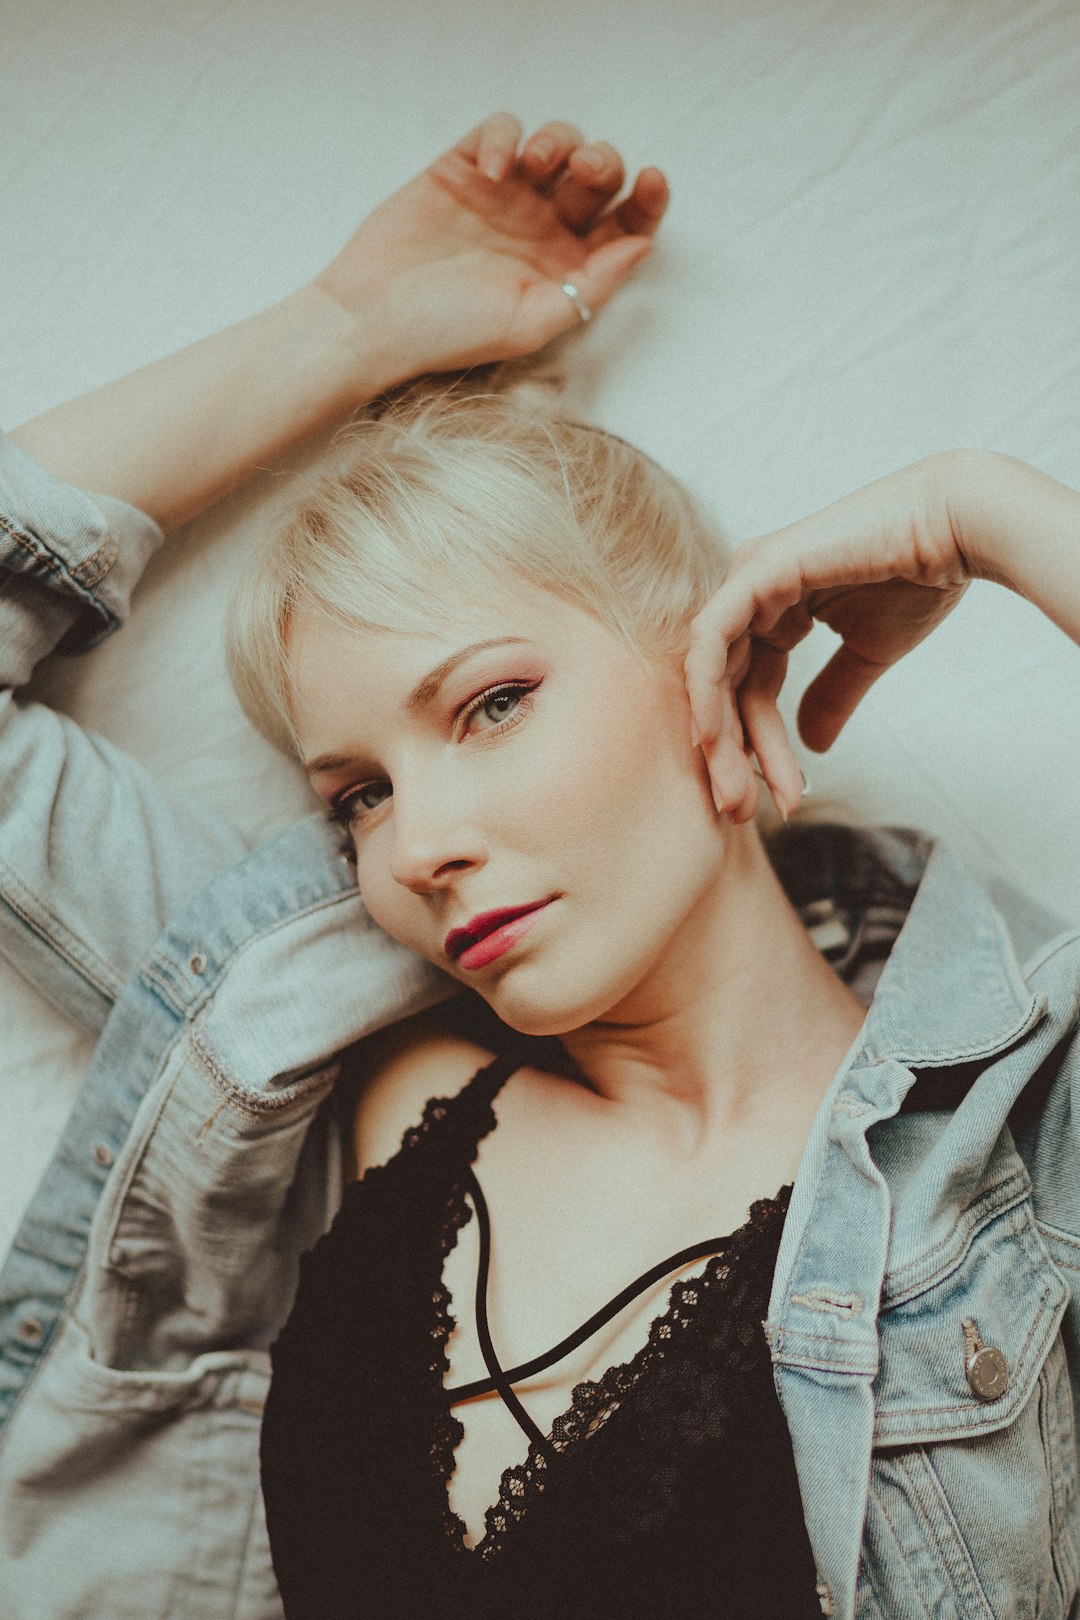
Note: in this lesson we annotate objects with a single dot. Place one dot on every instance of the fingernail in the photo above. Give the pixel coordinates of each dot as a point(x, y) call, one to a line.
point(805, 785)
point(542, 151)
point(494, 166)
point(695, 736)
point(717, 800)
point(590, 161)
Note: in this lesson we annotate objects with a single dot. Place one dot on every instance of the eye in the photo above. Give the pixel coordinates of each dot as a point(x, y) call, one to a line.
point(501, 706)
point(350, 806)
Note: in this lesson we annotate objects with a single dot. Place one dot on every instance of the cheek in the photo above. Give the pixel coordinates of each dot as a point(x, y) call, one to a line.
point(615, 778)
point(395, 910)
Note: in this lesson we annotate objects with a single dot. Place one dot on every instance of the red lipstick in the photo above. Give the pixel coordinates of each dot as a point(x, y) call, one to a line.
point(489, 934)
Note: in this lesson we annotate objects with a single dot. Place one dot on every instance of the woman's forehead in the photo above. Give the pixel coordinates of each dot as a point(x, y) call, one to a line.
point(337, 671)
point(319, 643)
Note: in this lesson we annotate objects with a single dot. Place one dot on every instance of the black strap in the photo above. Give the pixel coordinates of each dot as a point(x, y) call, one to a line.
point(501, 1379)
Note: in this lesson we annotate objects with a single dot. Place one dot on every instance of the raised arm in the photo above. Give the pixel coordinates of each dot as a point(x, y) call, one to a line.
point(882, 568)
point(465, 264)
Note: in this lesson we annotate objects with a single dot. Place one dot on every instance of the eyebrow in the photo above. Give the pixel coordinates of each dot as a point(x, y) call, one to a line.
point(422, 694)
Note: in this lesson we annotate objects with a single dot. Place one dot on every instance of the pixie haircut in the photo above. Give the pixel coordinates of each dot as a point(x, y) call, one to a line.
point(450, 497)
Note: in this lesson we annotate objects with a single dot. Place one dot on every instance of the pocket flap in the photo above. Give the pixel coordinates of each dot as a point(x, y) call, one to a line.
point(996, 1287)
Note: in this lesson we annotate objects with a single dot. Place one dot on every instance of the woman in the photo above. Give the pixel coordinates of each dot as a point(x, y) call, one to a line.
point(663, 1112)
point(459, 635)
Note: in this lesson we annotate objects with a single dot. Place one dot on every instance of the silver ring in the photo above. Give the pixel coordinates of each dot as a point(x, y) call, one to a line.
point(584, 312)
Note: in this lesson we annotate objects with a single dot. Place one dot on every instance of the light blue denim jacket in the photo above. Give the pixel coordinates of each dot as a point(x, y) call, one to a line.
point(935, 1217)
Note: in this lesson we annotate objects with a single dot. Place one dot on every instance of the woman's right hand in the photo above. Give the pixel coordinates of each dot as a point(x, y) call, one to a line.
point(465, 263)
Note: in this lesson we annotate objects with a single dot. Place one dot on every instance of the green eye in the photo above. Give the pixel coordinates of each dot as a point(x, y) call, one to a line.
point(499, 703)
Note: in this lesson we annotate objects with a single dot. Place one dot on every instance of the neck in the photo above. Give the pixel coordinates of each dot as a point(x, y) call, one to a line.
point(741, 1023)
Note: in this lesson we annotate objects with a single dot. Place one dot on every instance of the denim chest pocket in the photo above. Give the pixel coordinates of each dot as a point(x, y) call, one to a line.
point(973, 1501)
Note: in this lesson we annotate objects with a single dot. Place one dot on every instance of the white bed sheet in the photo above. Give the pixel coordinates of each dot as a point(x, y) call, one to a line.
point(873, 252)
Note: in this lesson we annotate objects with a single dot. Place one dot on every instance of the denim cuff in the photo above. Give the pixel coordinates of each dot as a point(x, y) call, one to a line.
point(89, 549)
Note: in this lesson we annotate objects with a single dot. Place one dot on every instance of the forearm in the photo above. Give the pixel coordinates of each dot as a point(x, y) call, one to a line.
point(1021, 528)
point(174, 437)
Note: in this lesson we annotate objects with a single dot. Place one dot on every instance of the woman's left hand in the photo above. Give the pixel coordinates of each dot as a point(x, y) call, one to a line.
point(882, 568)
point(465, 263)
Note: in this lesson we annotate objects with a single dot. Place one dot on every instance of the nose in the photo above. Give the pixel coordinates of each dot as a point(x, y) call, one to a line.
point(433, 844)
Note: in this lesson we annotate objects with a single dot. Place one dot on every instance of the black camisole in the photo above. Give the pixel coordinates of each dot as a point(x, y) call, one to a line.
point(667, 1488)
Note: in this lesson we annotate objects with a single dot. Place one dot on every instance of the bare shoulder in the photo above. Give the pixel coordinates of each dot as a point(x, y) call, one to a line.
point(421, 1057)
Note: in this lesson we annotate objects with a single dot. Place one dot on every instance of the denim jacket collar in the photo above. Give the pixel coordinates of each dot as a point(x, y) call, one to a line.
point(951, 989)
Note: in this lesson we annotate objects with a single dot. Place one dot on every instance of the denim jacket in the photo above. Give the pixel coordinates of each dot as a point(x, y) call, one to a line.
point(926, 1301)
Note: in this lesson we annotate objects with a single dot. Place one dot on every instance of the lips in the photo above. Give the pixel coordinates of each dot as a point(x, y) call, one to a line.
point(459, 940)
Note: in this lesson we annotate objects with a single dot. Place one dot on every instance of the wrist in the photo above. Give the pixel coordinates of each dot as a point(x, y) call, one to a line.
point(1018, 527)
point(338, 359)
point(965, 494)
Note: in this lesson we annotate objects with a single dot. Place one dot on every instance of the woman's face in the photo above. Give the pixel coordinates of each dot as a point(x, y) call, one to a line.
point(525, 762)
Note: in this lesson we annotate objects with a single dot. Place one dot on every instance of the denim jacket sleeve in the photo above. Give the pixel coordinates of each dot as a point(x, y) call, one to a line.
point(95, 856)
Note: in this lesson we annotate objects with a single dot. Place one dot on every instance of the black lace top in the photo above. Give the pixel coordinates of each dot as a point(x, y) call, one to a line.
point(668, 1488)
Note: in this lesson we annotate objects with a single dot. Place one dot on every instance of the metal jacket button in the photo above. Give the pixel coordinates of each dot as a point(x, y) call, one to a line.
point(986, 1368)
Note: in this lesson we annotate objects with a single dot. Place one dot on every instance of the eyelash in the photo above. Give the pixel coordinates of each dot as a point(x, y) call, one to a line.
point(345, 810)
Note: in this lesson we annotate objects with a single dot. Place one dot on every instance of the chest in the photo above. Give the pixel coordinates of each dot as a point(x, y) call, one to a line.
point(570, 1231)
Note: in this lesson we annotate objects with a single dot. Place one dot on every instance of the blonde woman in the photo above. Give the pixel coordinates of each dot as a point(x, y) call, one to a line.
point(751, 1121)
point(711, 1219)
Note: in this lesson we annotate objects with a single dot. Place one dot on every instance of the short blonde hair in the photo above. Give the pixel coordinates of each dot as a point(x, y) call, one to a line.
point(442, 498)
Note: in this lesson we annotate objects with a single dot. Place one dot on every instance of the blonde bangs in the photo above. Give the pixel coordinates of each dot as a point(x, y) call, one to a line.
point(449, 499)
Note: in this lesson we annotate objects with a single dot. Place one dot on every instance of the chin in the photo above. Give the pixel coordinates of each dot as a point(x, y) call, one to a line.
point(542, 1011)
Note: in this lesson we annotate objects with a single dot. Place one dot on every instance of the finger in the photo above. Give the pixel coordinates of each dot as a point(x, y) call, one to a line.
point(765, 729)
point(547, 311)
point(641, 212)
point(594, 175)
point(716, 725)
point(734, 785)
point(761, 595)
point(544, 154)
point(833, 696)
point(718, 652)
point(492, 145)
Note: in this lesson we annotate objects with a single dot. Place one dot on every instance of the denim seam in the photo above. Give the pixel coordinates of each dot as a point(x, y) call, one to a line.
point(883, 1508)
point(996, 1202)
point(248, 1102)
point(1051, 949)
point(86, 574)
point(936, 1510)
point(155, 980)
point(128, 1306)
point(1068, 1239)
point(865, 1575)
point(965, 1054)
point(1063, 1547)
point(64, 942)
point(1048, 1431)
point(783, 1356)
point(164, 974)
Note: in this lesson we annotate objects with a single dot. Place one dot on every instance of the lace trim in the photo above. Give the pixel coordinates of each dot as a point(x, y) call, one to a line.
point(593, 1402)
point(447, 1430)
